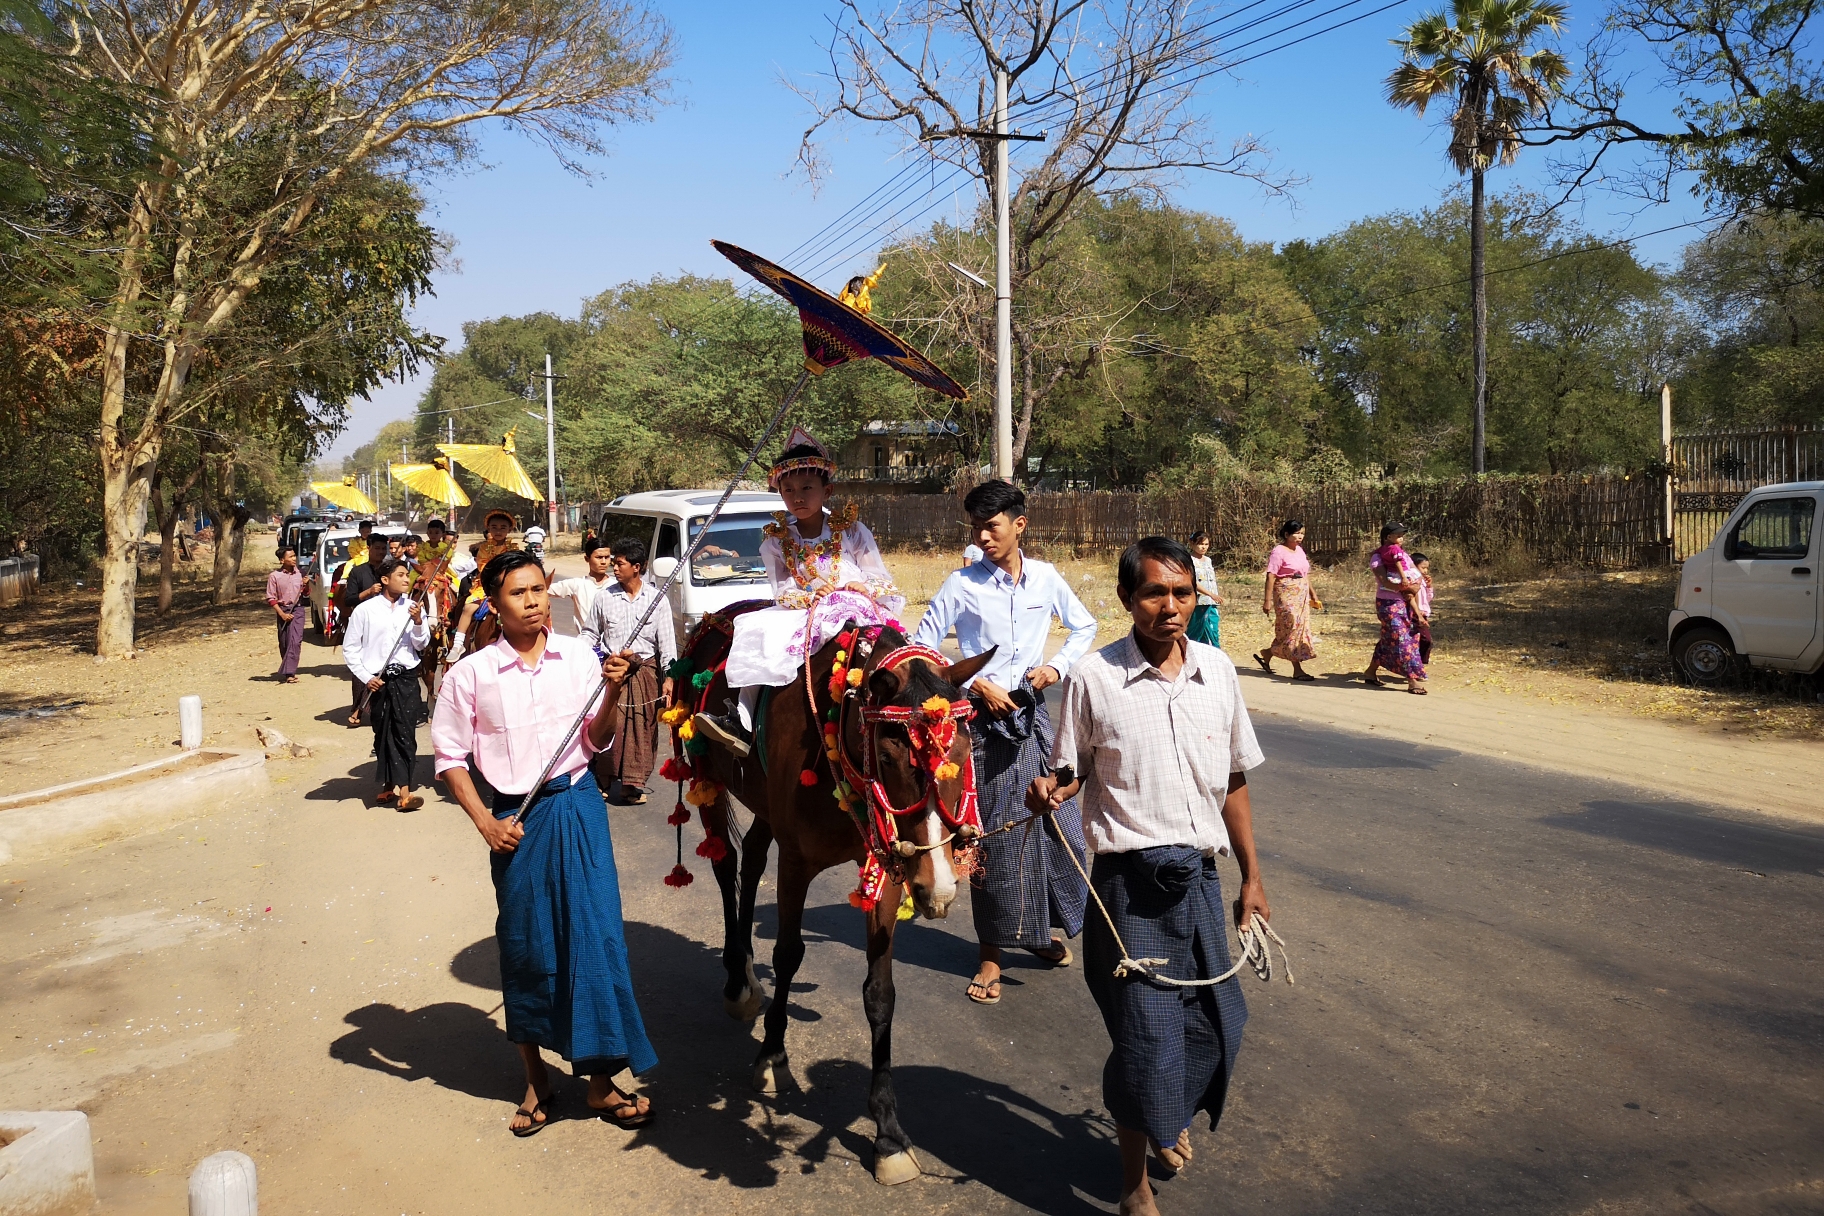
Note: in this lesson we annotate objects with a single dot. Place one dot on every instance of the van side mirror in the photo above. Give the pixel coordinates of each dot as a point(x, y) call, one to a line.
point(663, 566)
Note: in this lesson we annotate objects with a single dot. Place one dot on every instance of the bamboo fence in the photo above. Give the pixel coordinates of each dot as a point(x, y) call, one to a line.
point(1600, 521)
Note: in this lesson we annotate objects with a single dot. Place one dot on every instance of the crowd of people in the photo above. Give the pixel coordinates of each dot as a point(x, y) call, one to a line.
point(1131, 794)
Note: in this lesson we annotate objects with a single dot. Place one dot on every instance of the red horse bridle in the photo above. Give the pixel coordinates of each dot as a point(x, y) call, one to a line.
point(931, 728)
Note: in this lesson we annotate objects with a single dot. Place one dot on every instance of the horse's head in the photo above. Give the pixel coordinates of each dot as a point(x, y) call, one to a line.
point(921, 750)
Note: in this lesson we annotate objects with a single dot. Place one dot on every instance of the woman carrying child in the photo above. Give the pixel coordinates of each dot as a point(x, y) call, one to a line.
point(1397, 588)
point(825, 571)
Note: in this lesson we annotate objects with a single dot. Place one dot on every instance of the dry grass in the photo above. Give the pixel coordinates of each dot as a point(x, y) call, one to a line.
point(1571, 637)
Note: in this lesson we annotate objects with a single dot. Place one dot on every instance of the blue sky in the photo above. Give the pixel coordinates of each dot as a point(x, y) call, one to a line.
point(718, 163)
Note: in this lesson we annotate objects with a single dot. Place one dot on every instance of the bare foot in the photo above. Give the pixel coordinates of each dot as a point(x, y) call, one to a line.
point(1139, 1202)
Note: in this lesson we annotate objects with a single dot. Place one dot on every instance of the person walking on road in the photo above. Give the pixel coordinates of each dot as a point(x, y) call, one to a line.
point(381, 647)
point(362, 583)
point(1156, 741)
point(581, 592)
point(1398, 586)
point(1206, 621)
point(613, 613)
point(565, 981)
point(285, 592)
point(1290, 599)
point(1030, 884)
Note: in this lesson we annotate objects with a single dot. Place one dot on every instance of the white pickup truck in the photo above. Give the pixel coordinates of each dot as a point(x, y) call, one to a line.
point(1756, 592)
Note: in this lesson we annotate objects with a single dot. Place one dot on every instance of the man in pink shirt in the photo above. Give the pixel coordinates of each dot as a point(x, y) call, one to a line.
point(563, 952)
point(285, 592)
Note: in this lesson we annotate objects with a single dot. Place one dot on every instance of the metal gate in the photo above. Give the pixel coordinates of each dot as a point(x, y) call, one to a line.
point(1713, 469)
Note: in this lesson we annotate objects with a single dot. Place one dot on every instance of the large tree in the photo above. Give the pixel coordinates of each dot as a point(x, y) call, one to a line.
point(1479, 59)
point(284, 102)
point(1748, 121)
point(1110, 85)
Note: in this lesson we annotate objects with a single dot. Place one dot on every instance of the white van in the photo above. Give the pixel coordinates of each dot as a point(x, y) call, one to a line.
point(1756, 591)
point(726, 570)
point(332, 551)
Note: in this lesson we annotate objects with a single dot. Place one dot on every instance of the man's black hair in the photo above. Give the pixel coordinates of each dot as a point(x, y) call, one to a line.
point(1160, 549)
point(389, 564)
point(496, 571)
point(592, 543)
point(993, 498)
point(630, 547)
point(1289, 527)
point(366, 523)
point(412, 538)
point(284, 549)
point(1392, 527)
point(793, 453)
point(438, 524)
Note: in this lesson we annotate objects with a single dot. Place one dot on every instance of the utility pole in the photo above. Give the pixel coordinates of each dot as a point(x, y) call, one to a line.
point(550, 421)
point(1003, 290)
point(1003, 270)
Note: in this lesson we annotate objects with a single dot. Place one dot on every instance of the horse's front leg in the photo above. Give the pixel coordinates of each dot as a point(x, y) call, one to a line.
point(788, 953)
point(741, 994)
point(893, 1159)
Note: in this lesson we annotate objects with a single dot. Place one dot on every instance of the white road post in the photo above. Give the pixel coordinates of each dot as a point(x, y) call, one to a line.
point(1665, 449)
point(1003, 290)
point(190, 722)
point(225, 1184)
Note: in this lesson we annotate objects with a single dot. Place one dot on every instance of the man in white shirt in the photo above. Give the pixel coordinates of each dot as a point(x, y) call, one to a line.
point(385, 634)
point(1005, 602)
point(616, 609)
point(581, 592)
point(1154, 736)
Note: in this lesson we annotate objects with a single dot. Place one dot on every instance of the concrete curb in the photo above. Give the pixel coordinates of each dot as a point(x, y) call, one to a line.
point(42, 823)
point(47, 1163)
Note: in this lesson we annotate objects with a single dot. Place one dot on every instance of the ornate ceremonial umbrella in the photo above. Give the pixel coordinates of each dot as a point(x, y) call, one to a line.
point(344, 494)
point(835, 333)
point(433, 480)
point(494, 463)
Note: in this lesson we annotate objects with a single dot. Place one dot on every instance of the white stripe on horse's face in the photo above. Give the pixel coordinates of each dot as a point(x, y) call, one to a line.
point(943, 878)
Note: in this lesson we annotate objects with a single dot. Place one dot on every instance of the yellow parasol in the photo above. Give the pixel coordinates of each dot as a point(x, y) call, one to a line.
point(494, 464)
point(432, 480)
point(344, 495)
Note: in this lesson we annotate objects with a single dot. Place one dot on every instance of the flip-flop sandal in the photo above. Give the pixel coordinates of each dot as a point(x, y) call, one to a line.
point(612, 1113)
point(1063, 958)
point(1304, 678)
point(537, 1125)
point(1376, 681)
point(991, 987)
point(1266, 664)
point(386, 797)
point(411, 802)
point(1418, 690)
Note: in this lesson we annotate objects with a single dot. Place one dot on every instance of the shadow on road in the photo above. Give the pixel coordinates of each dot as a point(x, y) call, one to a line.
point(1695, 832)
point(714, 1124)
point(361, 783)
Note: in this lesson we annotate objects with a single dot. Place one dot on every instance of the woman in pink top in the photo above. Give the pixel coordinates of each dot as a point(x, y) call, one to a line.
point(563, 951)
point(1289, 600)
point(1399, 592)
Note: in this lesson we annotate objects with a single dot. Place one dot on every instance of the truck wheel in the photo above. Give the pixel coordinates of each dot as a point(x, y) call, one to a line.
point(1704, 655)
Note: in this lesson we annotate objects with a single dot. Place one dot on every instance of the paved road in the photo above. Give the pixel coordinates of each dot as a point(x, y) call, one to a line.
point(1516, 993)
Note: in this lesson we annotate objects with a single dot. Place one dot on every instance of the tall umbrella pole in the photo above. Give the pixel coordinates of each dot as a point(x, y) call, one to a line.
point(665, 587)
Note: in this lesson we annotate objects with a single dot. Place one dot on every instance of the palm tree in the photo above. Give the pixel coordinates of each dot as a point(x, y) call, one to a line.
point(1483, 66)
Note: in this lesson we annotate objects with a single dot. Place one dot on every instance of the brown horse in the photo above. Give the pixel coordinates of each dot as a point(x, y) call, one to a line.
point(814, 833)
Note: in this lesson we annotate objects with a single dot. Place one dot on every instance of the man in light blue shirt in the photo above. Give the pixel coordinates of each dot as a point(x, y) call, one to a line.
point(1006, 602)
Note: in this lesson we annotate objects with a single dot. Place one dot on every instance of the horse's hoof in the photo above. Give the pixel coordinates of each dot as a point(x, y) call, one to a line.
point(767, 1071)
point(744, 1008)
point(900, 1167)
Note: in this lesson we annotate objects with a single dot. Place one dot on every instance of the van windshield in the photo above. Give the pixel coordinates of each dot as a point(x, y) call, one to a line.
point(731, 552)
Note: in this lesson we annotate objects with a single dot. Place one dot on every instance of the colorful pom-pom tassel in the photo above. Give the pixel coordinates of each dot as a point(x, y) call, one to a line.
point(854, 677)
point(702, 679)
point(713, 849)
point(906, 909)
point(936, 707)
point(675, 769)
point(946, 771)
point(675, 715)
point(679, 876)
point(807, 777)
point(678, 817)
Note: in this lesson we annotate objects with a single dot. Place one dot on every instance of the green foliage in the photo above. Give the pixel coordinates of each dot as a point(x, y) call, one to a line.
point(668, 383)
point(1759, 287)
point(1577, 342)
